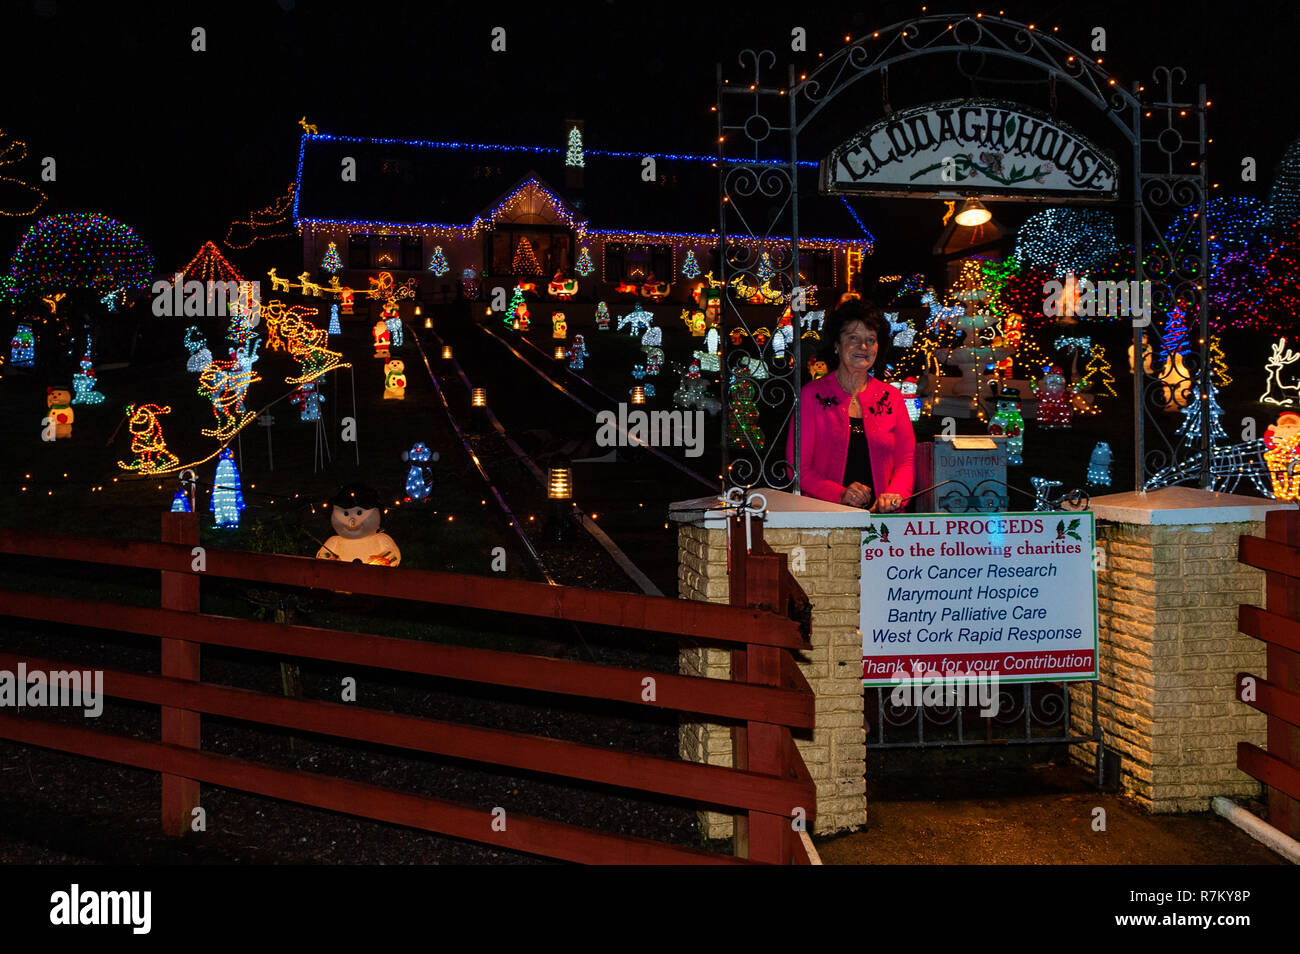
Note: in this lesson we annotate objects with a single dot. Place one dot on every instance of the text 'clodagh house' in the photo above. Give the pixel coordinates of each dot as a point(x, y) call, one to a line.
point(431, 210)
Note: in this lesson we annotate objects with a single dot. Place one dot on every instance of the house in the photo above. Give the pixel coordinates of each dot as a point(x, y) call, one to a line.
point(610, 220)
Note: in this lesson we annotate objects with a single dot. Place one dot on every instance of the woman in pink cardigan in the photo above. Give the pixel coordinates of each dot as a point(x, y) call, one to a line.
point(857, 441)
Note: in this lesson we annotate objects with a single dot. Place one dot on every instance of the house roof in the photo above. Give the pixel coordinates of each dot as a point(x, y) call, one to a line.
point(453, 185)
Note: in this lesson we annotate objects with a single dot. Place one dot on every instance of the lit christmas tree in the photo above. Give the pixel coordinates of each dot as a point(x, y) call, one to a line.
point(1097, 374)
point(690, 267)
point(574, 156)
point(438, 263)
point(227, 497)
point(335, 328)
point(1175, 339)
point(517, 309)
point(1190, 430)
point(332, 263)
point(765, 270)
point(584, 266)
point(525, 261)
point(742, 424)
point(1218, 364)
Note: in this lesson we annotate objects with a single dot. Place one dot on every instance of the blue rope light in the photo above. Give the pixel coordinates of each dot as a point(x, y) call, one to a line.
point(536, 150)
point(865, 230)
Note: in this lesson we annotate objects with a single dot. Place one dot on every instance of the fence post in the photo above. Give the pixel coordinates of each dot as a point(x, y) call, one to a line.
point(180, 660)
point(1282, 596)
point(759, 746)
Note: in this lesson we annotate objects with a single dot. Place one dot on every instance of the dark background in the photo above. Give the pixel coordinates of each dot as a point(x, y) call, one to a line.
point(178, 143)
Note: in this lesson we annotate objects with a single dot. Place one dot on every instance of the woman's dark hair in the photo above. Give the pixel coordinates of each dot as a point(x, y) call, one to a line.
point(855, 309)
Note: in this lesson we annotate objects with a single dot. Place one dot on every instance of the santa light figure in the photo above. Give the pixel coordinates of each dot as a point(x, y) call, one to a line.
point(1055, 402)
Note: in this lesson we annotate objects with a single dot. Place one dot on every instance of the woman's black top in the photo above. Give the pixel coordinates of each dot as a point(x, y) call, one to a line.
point(857, 468)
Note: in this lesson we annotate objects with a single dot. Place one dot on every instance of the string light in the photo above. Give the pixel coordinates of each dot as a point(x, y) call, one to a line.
point(14, 152)
point(81, 250)
point(1067, 240)
point(209, 265)
point(275, 220)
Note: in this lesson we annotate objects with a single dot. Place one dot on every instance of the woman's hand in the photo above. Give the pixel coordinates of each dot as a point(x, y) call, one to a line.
point(888, 503)
point(856, 495)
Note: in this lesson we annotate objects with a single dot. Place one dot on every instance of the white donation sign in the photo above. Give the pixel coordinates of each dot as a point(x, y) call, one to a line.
point(969, 594)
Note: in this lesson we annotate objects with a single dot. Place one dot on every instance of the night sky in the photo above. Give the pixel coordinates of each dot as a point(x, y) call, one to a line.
point(178, 143)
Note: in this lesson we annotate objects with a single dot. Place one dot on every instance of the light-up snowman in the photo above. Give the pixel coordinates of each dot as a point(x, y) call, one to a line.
point(357, 536)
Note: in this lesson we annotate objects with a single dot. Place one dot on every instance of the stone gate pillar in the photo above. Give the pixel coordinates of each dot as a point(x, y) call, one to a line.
point(822, 541)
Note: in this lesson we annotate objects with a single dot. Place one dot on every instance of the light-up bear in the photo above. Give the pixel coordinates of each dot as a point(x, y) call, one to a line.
point(357, 536)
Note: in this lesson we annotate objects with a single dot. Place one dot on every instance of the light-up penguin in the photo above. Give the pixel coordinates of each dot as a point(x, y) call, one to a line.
point(419, 479)
point(357, 536)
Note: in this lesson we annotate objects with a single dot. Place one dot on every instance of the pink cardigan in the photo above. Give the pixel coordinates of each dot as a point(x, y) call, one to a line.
point(824, 438)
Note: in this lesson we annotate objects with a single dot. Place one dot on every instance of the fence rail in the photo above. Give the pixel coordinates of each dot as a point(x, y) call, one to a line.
point(1278, 693)
point(767, 696)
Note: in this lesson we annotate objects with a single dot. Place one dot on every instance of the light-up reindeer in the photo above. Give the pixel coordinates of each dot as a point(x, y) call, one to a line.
point(278, 283)
point(1287, 395)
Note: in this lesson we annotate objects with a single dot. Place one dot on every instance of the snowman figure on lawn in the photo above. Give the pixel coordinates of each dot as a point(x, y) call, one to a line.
point(357, 536)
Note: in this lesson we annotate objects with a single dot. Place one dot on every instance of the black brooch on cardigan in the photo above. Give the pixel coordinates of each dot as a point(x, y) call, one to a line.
point(830, 401)
point(882, 406)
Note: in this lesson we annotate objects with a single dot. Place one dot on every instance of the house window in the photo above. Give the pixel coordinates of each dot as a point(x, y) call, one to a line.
point(412, 252)
point(661, 263)
point(615, 261)
point(385, 252)
point(358, 251)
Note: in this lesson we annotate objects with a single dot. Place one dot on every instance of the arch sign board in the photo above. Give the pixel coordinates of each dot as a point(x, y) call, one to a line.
point(972, 147)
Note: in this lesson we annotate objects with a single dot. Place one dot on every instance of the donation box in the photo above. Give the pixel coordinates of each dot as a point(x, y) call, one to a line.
point(975, 468)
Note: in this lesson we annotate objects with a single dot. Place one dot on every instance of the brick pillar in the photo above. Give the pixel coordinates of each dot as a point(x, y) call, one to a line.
point(826, 564)
point(1168, 654)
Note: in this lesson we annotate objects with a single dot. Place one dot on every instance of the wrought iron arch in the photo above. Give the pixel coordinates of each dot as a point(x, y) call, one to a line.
point(759, 194)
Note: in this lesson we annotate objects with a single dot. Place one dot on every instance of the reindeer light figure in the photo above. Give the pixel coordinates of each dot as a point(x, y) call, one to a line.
point(940, 312)
point(638, 318)
point(278, 283)
point(1285, 395)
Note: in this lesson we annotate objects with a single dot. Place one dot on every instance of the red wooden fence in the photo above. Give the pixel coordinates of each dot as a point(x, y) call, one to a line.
point(767, 695)
point(1277, 695)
